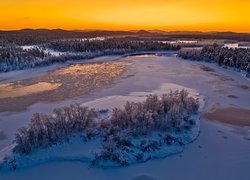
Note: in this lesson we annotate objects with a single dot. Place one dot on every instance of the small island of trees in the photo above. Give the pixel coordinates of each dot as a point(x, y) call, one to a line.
point(169, 113)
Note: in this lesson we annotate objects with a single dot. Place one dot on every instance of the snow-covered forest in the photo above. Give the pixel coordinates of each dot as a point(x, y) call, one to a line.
point(169, 113)
point(110, 45)
point(238, 58)
point(15, 58)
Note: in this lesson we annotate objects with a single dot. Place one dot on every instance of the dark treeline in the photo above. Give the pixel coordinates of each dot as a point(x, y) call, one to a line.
point(168, 113)
point(236, 58)
point(38, 36)
point(209, 35)
point(111, 44)
point(16, 58)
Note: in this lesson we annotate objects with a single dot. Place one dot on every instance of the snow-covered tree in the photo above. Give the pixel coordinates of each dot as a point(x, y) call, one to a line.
point(237, 58)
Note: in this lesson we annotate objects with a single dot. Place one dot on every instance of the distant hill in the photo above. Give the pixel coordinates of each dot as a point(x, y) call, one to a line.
point(31, 36)
point(36, 36)
point(59, 32)
point(209, 35)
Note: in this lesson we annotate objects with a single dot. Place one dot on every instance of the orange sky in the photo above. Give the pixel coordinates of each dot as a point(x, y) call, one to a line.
point(203, 15)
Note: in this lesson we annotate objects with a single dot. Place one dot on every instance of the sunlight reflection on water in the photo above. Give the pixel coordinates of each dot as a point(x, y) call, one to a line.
point(145, 55)
point(60, 84)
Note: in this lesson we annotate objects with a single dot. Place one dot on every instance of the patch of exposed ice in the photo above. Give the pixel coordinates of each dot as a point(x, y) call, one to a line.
point(119, 101)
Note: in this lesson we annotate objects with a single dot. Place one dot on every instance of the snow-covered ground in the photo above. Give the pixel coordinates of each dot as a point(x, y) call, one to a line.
point(46, 50)
point(235, 45)
point(221, 151)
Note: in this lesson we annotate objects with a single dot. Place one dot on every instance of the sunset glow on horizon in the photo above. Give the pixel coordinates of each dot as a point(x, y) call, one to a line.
point(191, 15)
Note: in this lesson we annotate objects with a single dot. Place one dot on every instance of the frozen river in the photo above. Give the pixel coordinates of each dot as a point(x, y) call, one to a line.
point(222, 151)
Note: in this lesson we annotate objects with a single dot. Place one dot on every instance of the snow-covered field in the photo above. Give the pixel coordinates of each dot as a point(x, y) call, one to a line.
point(221, 151)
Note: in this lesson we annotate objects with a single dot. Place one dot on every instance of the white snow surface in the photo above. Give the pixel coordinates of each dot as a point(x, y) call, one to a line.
point(221, 151)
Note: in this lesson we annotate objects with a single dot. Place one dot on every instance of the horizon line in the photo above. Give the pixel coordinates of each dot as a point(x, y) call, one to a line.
point(198, 31)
